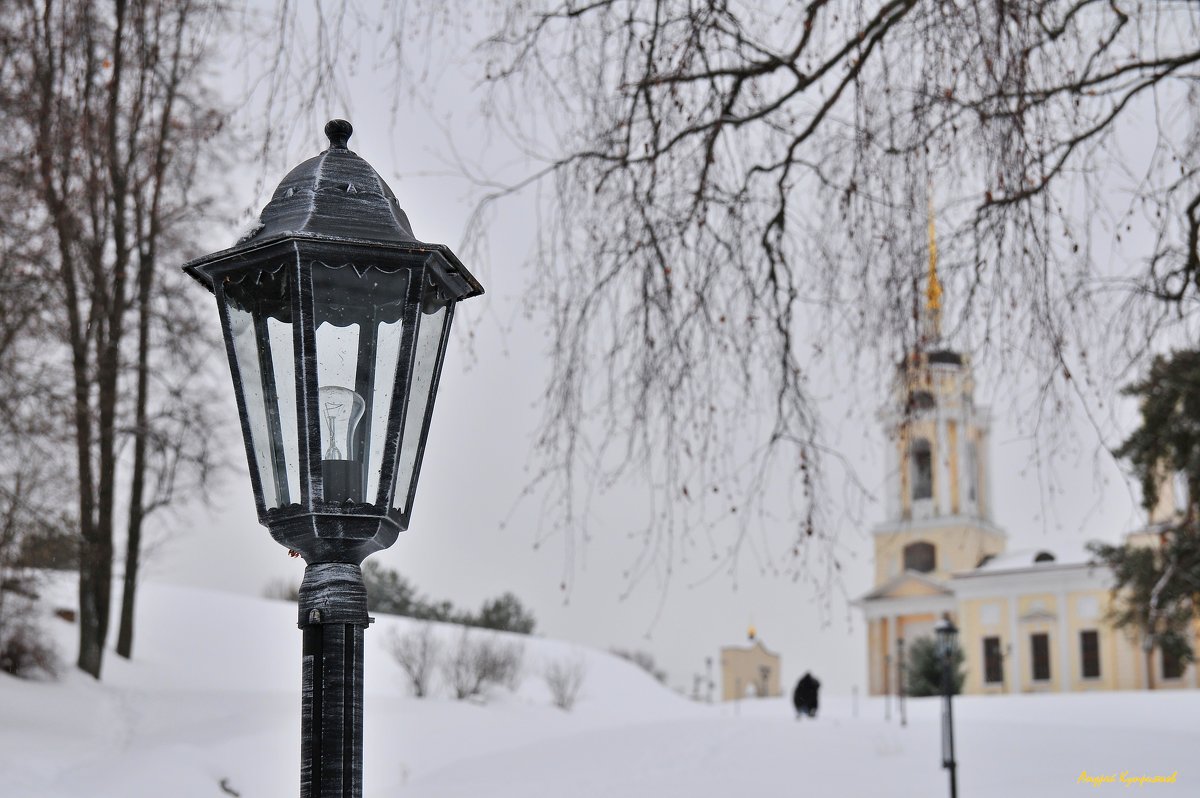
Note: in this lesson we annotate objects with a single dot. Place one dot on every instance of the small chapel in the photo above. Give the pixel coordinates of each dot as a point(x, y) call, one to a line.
point(750, 671)
point(1029, 621)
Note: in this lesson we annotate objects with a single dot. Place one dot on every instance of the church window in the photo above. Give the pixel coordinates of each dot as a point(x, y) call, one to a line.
point(1089, 650)
point(922, 469)
point(1172, 666)
point(972, 471)
point(993, 662)
point(920, 557)
point(922, 400)
point(1039, 645)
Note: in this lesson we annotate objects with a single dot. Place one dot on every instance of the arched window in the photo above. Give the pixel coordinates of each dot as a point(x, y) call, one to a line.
point(920, 557)
point(922, 400)
point(921, 469)
point(1044, 556)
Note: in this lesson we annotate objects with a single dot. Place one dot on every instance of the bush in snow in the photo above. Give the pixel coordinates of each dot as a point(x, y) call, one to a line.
point(475, 664)
point(24, 650)
point(565, 680)
point(417, 652)
point(644, 660)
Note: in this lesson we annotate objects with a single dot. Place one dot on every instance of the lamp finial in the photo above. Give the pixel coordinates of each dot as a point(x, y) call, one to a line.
point(339, 132)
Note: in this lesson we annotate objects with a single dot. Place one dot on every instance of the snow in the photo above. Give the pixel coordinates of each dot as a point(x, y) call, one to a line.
point(213, 696)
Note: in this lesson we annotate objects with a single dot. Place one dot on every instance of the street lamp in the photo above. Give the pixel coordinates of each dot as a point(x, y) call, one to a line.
point(335, 320)
point(947, 635)
point(900, 673)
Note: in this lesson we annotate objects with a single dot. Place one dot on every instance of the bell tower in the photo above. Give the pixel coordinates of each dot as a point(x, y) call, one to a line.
point(937, 513)
point(938, 487)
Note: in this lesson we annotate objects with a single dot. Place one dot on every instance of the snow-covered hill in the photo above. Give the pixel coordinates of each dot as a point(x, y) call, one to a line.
point(185, 717)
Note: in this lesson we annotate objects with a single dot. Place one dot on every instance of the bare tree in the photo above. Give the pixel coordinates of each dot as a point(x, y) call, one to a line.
point(475, 664)
point(733, 191)
point(107, 121)
point(417, 652)
point(740, 189)
point(565, 679)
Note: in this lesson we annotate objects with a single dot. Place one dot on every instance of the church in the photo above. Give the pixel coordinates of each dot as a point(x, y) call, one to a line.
point(1029, 621)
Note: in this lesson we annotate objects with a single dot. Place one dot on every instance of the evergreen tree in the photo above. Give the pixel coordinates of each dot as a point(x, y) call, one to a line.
point(1157, 588)
point(924, 668)
point(506, 614)
point(1168, 440)
point(389, 592)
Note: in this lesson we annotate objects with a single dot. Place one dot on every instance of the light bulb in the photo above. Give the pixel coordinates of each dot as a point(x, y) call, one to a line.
point(340, 410)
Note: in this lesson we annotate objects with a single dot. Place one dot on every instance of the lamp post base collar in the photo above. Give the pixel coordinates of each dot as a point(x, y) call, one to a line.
point(333, 592)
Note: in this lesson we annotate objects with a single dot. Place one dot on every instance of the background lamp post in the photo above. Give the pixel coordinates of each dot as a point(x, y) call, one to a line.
point(887, 692)
point(335, 320)
point(947, 643)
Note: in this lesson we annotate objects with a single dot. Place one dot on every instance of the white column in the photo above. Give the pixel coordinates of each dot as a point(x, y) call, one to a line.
point(984, 488)
point(942, 464)
point(893, 633)
point(1015, 655)
point(964, 433)
point(1064, 683)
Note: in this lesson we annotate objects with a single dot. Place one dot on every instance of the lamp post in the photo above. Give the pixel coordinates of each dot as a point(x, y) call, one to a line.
point(887, 691)
point(900, 667)
point(335, 319)
point(947, 635)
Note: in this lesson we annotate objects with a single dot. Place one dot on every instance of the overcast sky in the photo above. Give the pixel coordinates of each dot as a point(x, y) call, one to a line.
point(472, 538)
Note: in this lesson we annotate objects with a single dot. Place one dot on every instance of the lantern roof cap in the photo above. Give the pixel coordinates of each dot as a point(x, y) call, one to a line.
point(336, 197)
point(336, 193)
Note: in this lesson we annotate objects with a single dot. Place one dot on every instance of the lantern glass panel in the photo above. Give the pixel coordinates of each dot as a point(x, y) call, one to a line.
point(387, 359)
point(358, 319)
point(421, 386)
point(259, 314)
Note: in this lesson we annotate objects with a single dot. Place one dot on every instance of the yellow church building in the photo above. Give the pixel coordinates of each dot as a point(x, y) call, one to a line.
point(1029, 621)
point(750, 671)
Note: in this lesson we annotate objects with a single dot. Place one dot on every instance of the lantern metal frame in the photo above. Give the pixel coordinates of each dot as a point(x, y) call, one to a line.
point(328, 531)
point(330, 213)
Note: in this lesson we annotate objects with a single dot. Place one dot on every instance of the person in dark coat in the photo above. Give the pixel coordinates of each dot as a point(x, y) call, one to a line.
point(805, 696)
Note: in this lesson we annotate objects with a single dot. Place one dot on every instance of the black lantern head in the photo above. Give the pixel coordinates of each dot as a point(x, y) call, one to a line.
point(335, 320)
point(947, 636)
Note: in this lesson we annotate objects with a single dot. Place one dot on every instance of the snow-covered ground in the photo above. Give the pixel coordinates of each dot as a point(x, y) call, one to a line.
point(213, 697)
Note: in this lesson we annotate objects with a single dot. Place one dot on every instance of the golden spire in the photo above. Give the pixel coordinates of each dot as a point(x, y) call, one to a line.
point(933, 291)
point(751, 632)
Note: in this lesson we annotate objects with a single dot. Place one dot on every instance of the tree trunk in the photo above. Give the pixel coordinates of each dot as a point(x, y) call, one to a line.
point(148, 226)
point(137, 488)
point(95, 589)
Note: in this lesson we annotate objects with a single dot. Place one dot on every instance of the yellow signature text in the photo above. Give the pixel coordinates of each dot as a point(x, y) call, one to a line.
point(1126, 778)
